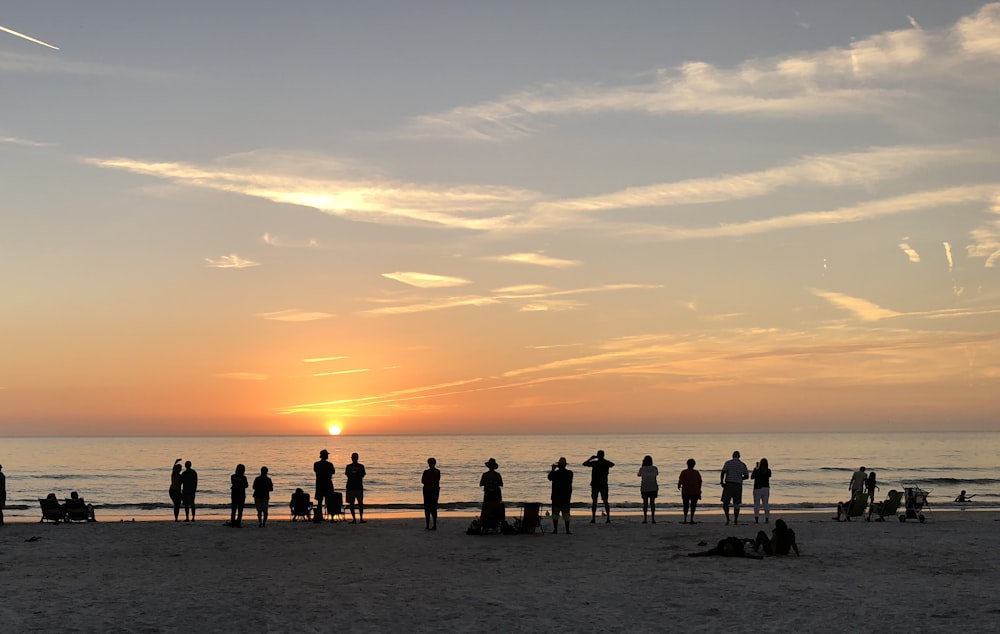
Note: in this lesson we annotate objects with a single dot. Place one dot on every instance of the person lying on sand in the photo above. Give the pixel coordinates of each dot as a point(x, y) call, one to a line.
point(729, 547)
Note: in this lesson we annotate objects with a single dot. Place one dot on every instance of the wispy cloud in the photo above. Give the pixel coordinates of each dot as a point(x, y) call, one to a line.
point(294, 315)
point(947, 255)
point(337, 372)
point(325, 185)
point(275, 241)
point(231, 261)
point(425, 280)
point(29, 38)
point(986, 239)
point(910, 252)
point(871, 76)
point(860, 308)
point(24, 142)
point(538, 259)
point(323, 359)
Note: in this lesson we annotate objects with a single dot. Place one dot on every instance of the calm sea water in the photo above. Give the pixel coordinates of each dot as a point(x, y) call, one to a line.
point(128, 477)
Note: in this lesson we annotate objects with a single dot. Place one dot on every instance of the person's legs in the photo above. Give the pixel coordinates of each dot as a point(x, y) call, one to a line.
point(756, 503)
point(687, 506)
point(593, 504)
point(264, 512)
point(361, 506)
point(565, 514)
point(652, 508)
point(607, 507)
point(645, 507)
point(766, 501)
point(694, 505)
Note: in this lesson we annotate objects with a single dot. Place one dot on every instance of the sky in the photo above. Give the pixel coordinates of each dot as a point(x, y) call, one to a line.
point(482, 217)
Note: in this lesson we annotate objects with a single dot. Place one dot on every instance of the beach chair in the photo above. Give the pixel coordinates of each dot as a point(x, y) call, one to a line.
point(52, 510)
point(335, 508)
point(888, 508)
point(492, 517)
point(916, 503)
point(531, 517)
point(854, 508)
point(301, 507)
point(77, 510)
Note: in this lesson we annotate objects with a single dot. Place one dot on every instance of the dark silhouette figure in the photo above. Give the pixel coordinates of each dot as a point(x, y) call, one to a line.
point(324, 470)
point(238, 496)
point(175, 488)
point(3, 493)
point(761, 477)
point(262, 487)
point(781, 542)
point(871, 485)
point(189, 488)
point(355, 488)
point(562, 494)
point(732, 475)
point(648, 487)
point(729, 547)
point(689, 483)
point(300, 504)
point(963, 497)
point(76, 504)
point(599, 468)
point(492, 482)
point(431, 480)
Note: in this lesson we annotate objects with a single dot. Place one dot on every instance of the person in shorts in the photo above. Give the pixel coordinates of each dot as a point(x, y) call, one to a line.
point(562, 494)
point(262, 487)
point(733, 473)
point(355, 489)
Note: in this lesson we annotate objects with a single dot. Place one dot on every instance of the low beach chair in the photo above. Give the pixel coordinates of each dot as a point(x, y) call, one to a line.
point(77, 510)
point(888, 508)
point(52, 510)
point(492, 517)
point(301, 507)
point(531, 517)
point(854, 508)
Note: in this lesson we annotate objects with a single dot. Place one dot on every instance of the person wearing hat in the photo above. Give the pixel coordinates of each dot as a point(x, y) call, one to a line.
point(562, 494)
point(324, 482)
point(492, 483)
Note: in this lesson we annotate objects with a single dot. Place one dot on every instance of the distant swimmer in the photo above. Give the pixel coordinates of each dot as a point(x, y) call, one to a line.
point(963, 497)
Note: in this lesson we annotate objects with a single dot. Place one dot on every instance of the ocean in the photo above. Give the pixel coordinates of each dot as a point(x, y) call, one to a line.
point(128, 477)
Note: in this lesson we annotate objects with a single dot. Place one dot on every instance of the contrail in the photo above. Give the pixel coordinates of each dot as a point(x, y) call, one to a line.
point(30, 39)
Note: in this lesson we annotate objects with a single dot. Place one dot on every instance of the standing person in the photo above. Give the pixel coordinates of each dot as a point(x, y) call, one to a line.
point(238, 496)
point(175, 488)
point(761, 477)
point(431, 480)
point(562, 494)
point(492, 483)
point(732, 475)
point(324, 470)
point(189, 488)
point(262, 487)
point(872, 486)
point(689, 483)
point(858, 480)
point(355, 473)
point(3, 493)
point(599, 468)
point(648, 487)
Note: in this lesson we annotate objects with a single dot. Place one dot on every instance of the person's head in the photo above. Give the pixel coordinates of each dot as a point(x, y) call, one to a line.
point(561, 463)
point(600, 453)
point(763, 463)
point(187, 464)
point(690, 463)
point(50, 496)
point(647, 461)
point(241, 469)
point(354, 457)
point(780, 525)
point(431, 462)
point(263, 471)
point(962, 493)
point(861, 469)
point(871, 477)
point(736, 454)
point(323, 454)
point(74, 495)
point(491, 464)
point(299, 491)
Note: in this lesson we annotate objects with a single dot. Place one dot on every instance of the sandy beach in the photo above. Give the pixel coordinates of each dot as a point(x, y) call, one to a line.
point(392, 575)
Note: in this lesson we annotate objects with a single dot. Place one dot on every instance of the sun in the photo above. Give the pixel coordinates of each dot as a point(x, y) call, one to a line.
point(335, 429)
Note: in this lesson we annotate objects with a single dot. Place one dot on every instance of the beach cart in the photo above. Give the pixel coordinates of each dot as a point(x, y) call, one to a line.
point(916, 504)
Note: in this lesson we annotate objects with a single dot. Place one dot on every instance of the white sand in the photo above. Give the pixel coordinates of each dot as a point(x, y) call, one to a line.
point(391, 575)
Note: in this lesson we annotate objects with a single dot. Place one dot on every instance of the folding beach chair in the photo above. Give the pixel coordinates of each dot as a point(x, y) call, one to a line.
point(853, 508)
point(300, 506)
point(492, 517)
point(530, 517)
point(888, 508)
point(916, 503)
point(52, 510)
point(77, 510)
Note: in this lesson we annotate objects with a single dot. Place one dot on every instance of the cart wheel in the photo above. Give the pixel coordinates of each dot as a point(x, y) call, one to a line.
point(921, 518)
point(902, 517)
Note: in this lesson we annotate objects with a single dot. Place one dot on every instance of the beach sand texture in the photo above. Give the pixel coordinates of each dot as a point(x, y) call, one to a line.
point(392, 575)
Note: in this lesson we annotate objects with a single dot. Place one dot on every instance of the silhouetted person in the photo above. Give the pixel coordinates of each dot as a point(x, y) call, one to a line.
point(728, 547)
point(3, 492)
point(492, 482)
point(76, 499)
point(262, 487)
point(562, 494)
point(858, 481)
point(962, 497)
point(324, 470)
point(732, 475)
point(689, 483)
point(781, 542)
point(300, 503)
point(175, 488)
point(355, 488)
point(871, 484)
point(648, 487)
point(189, 488)
point(238, 496)
point(761, 477)
point(431, 481)
point(599, 468)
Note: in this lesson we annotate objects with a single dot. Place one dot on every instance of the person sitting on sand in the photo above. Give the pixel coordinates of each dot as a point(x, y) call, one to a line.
point(962, 497)
point(781, 541)
point(729, 547)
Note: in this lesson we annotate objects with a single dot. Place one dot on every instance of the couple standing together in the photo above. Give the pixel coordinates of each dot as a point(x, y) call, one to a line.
point(183, 488)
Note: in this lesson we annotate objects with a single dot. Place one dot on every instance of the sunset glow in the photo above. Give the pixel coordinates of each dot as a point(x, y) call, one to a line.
point(728, 216)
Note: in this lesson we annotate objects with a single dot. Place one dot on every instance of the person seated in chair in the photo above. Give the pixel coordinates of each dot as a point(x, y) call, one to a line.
point(781, 541)
point(79, 500)
point(301, 504)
